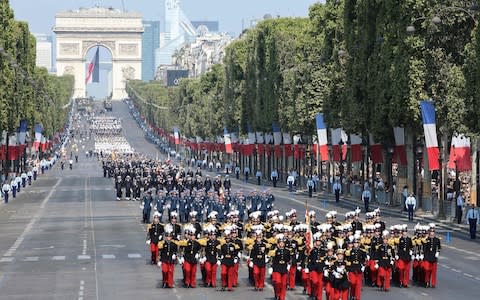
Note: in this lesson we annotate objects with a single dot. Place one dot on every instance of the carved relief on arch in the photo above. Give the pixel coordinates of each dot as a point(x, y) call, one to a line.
point(69, 70)
point(128, 73)
point(89, 44)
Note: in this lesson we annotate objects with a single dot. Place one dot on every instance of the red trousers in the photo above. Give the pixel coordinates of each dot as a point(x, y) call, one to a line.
point(355, 279)
point(190, 273)
point(307, 284)
point(259, 276)
point(167, 272)
point(316, 280)
point(430, 272)
point(373, 271)
point(291, 276)
point(235, 274)
point(228, 276)
point(340, 294)
point(154, 250)
point(328, 290)
point(211, 273)
point(404, 271)
point(383, 278)
point(279, 281)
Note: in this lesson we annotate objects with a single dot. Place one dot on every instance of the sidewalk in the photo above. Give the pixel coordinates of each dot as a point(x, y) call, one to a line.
point(394, 211)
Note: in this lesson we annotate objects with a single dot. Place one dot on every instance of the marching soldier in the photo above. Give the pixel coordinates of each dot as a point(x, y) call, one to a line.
point(211, 245)
point(147, 207)
point(258, 260)
point(280, 267)
point(315, 266)
point(384, 263)
point(229, 258)
point(5, 190)
point(168, 255)
point(339, 277)
point(356, 258)
point(154, 234)
point(431, 250)
point(403, 256)
point(191, 249)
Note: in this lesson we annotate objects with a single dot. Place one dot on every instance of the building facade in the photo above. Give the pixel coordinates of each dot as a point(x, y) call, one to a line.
point(150, 43)
point(44, 50)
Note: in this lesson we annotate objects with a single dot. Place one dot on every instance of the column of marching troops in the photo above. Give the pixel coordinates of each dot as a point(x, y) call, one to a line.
point(207, 225)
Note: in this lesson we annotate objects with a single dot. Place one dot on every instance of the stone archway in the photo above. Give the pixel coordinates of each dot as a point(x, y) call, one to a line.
point(120, 32)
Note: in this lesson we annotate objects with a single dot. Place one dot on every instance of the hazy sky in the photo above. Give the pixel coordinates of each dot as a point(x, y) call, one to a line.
point(40, 14)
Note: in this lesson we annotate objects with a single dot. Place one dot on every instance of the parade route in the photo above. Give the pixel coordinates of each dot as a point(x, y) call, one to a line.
point(66, 237)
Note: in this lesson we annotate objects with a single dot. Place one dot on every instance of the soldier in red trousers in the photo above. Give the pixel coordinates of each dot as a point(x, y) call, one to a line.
point(191, 249)
point(431, 250)
point(280, 267)
point(356, 259)
point(168, 255)
point(258, 260)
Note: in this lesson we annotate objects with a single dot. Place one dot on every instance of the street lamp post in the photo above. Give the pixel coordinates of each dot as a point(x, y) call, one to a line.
point(419, 183)
point(390, 151)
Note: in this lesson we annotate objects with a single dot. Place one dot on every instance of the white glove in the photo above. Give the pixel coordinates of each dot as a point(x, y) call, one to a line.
point(337, 275)
point(218, 262)
point(412, 257)
point(392, 262)
point(181, 260)
point(325, 273)
point(250, 264)
point(411, 252)
point(174, 257)
point(421, 256)
point(376, 266)
point(159, 264)
point(307, 270)
point(239, 255)
point(148, 242)
point(437, 254)
point(396, 257)
point(160, 238)
point(327, 263)
point(299, 268)
point(368, 257)
point(288, 267)
point(197, 256)
point(267, 259)
point(363, 269)
point(270, 271)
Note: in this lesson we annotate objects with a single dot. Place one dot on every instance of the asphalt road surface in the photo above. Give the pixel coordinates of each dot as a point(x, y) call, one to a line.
point(66, 237)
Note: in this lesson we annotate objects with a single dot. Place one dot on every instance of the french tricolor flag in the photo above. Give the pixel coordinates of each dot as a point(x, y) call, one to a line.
point(176, 135)
point(93, 71)
point(356, 147)
point(38, 136)
point(460, 153)
point(322, 137)
point(277, 140)
point(228, 141)
point(429, 127)
point(400, 150)
point(22, 134)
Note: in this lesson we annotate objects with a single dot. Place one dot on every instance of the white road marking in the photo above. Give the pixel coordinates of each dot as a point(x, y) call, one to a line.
point(108, 256)
point(455, 270)
point(83, 257)
point(113, 246)
point(468, 275)
point(44, 248)
point(58, 258)
point(80, 292)
point(477, 278)
point(6, 259)
point(424, 294)
point(29, 226)
point(31, 258)
point(134, 255)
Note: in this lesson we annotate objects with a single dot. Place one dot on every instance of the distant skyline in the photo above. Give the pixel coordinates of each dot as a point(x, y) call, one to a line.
point(40, 14)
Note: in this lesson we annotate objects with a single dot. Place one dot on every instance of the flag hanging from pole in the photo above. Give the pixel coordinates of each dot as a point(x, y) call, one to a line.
point(228, 141)
point(460, 153)
point(22, 134)
point(176, 135)
point(322, 137)
point(430, 129)
point(38, 136)
point(400, 150)
point(356, 147)
point(93, 71)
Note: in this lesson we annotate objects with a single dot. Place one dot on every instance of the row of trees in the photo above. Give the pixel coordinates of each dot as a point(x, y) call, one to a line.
point(28, 92)
point(354, 60)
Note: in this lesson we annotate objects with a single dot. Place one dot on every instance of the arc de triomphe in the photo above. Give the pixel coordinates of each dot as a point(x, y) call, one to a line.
point(77, 31)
